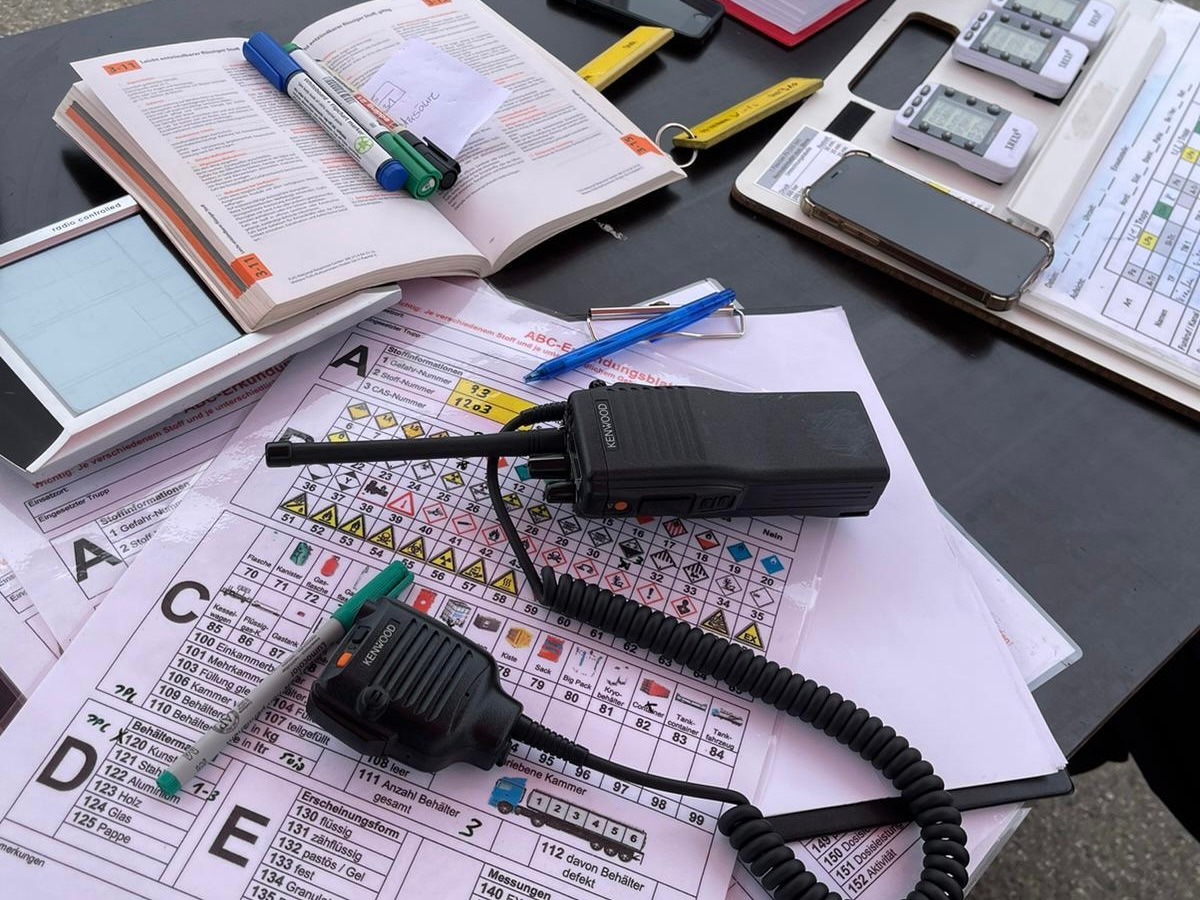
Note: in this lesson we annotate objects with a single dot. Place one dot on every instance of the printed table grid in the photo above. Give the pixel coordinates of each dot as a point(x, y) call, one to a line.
point(1159, 261)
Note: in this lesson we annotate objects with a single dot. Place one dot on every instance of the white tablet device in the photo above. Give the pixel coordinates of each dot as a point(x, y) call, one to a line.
point(104, 331)
point(1023, 50)
point(982, 137)
point(1085, 20)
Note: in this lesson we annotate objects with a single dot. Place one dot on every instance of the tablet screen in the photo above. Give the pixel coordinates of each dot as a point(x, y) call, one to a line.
point(106, 312)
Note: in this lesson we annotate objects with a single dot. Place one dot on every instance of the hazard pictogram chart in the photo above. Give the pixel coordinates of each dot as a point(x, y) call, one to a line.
point(255, 557)
point(729, 577)
point(693, 569)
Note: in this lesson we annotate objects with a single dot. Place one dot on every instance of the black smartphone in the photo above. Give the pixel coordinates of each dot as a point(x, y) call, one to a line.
point(961, 246)
point(694, 19)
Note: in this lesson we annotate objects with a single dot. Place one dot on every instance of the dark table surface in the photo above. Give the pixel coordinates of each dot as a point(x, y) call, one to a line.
point(1086, 493)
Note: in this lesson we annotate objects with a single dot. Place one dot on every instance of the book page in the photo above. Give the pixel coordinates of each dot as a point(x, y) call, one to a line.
point(255, 557)
point(1126, 266)
point(257, 176)
point(554, 154)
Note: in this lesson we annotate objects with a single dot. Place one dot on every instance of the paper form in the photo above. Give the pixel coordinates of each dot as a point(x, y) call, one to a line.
point(27, 648)
point(812, 153)
point(1127, 262)
point(891, 586)
point(1038, 646)
point(879, 863)
point(885, 863)
point(70, 536)
point(254, 557)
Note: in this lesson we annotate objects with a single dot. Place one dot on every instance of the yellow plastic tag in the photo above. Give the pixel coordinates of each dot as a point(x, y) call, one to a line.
point(624, 55)
point(754, 109)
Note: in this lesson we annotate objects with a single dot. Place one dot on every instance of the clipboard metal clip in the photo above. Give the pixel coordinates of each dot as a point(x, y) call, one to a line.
point(659, 307)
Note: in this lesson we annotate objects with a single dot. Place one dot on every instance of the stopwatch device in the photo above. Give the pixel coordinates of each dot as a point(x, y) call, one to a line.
point(1022, 49)
point(982, 137)
point(1087, 21)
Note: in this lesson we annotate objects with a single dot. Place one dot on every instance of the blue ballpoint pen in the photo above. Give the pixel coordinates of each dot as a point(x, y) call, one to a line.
point(626, 337)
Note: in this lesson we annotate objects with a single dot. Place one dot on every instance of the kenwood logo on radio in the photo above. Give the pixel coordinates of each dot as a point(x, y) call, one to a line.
point(607, 432)
point(377, 647)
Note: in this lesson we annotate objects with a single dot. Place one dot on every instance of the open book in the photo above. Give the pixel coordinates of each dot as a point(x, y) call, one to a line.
point(277, 219)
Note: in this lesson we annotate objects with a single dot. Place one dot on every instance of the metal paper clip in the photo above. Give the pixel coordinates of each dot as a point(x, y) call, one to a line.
point(609, 313)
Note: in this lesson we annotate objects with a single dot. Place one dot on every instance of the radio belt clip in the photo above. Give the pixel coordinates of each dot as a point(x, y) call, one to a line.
point(657, 308)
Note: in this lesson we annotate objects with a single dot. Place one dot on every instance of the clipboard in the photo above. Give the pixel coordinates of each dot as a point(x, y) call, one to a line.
point(1075, 134)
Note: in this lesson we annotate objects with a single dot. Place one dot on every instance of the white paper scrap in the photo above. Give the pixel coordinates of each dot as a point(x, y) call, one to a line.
point(434, 95)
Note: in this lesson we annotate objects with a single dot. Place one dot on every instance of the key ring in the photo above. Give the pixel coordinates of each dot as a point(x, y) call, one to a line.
point(691, 134)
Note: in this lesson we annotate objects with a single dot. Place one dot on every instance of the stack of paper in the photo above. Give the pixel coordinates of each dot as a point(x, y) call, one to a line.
point(789, 21)
point(902, 594)
point(252, 558)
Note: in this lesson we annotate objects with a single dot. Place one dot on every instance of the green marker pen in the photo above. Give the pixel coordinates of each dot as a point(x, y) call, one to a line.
point(423, 179)
point(415, 162)
point(391, 582)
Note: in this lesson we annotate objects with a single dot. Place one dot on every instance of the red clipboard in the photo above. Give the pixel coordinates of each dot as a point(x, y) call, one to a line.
point(787, 38)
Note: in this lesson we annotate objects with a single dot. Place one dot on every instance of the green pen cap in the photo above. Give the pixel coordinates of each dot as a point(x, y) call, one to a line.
point(168, 783)
point(417, 184)
point(423, 178)
point(391, 582)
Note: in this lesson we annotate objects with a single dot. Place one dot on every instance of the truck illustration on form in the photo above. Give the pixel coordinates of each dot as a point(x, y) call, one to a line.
point(510, 796)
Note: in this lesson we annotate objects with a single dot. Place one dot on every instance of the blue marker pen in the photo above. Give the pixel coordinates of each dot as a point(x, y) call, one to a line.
point(275, 65)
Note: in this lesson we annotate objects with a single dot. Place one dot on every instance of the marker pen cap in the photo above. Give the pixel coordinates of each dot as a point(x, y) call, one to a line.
point(391, 175)
point(268, 57)
point(423, 187)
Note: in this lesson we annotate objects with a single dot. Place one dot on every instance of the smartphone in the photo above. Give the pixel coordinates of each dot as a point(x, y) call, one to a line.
point(962, 247)
point(694, 19)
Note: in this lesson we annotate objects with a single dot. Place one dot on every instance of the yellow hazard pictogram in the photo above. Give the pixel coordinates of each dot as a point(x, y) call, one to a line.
point(716, 623)
point(358, 411)
point(414, 548)
point(475, 571)
point(356, 526)
point(506, 582)
point(414, 430)
point(297, 505)
point(338, 437)
point(327, 516)
point(749, 635)
point(385, 538)
point(385, 420)
point(445, 560)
